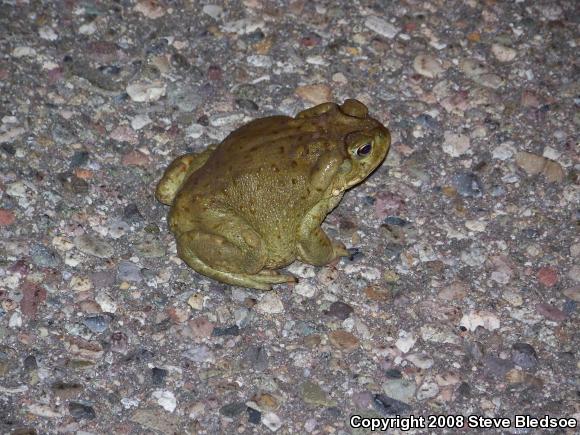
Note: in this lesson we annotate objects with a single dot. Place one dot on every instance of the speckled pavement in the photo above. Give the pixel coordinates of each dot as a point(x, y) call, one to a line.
point(462, 300)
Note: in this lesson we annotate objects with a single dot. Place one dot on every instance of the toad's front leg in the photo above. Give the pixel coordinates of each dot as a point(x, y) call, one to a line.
point(314, 246)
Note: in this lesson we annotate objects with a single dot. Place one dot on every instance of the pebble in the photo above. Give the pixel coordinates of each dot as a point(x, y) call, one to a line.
point(196, 301)
point(185, 98)
point(129, 272)
point(119, 342)
point(136, 158)
point(550, 312)
point(400, 389)
point(313, 394)
point(214, 11)
point(96, 324)
point(455, 144)
point(572, 293)
point(80, 284)
point(388, 406)
point(81, 411)
point(107, 304)
point(256, 357)
point(437, 335)
point(92, 245)
point(33, 295)
point(574, 273)
point(165, 399)
point(270, 303)
point(200, 328)
point(232, 330)
point(420, 360)
point(497, 367)
point(44, 256)
point(6, 217)
point(524, 355)
point(343, 340)
point(158, 376)
point(381, 27)
point(156, 421)
point(504, 151)
point(47, 33)
point(260, 61)
point(233, 409)
point(271, 421)
point(305, 288)
point(254, 416)
point(146, 91)
point(315, 94)
point(427, 390)
point(340, 310)
point(406, 341)
point(150, 247)
point(468, 184)
point(140, 121)
point(150, 8)
point(427, 66)
point(472, 320)
point(547, 276)
point(503, 53)
point(531, 163)
point(199, 354)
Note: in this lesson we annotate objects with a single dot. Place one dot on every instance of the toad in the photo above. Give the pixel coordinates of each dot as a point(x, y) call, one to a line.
point(254, 203)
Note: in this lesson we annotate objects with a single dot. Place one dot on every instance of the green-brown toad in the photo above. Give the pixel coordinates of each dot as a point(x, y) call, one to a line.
point(255, 202)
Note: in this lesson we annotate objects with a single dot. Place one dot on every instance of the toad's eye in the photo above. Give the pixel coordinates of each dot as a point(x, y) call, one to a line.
point(363, 150)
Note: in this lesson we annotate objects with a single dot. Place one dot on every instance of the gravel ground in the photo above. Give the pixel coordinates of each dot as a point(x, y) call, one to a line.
point(462, 300)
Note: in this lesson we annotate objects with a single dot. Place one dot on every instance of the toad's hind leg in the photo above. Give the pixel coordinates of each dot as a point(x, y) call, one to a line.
point(177, 172)
point(235, 256)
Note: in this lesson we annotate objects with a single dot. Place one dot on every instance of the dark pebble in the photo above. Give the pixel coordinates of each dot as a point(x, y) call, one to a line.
point(355, 254)
point(96, 324)
point(254, 416)
point(569, 307)
point(131, 214)
point(227, 330)
point(393, 374)
point(246, 104)
point(8, 149)
point(389, 406)
point(79, 158)
point(497, 367)
point(158, 376)
point(369, 200)
point(464, 389)
point(253, 37)
point(233, 409)
point(340, 310)
point(468, 184)
point(80, 411)
point(30, 363)
point(524, 355)
point(394, 220)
